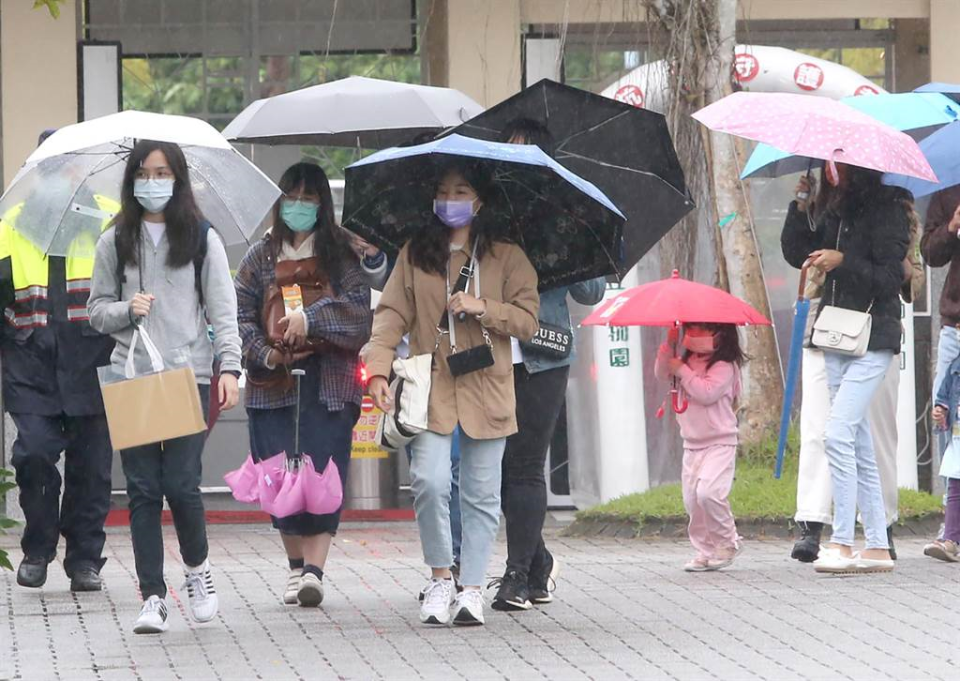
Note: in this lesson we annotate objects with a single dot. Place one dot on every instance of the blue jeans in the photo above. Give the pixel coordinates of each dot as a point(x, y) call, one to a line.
point(853, 464)
point(456, 524)
point(480, 474)
point(948, 349)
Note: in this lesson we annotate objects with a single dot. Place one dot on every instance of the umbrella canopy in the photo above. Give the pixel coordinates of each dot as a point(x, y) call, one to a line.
point(800, 314)
point(626, 151)
point(57, 185)
point(917, 114)
point(948, 89)
point(674, 301)
point(356, 111)
point(942, 150)
point(817, 128)
point(568, 228)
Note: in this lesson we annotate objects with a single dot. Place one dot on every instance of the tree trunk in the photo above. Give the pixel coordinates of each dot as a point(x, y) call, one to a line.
point(763, 383)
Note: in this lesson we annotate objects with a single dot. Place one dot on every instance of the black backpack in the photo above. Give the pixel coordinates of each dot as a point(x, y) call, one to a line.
point(197, 263)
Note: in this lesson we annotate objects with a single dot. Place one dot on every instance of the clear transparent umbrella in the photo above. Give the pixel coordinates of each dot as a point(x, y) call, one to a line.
point(70, 186)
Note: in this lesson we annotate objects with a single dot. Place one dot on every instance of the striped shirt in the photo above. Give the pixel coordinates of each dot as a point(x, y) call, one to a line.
point(343, 320)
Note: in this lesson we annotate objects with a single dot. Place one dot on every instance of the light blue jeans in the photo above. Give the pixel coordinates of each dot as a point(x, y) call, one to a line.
point(948, 349)
point(456, 527)
point(480, 466)
point(853, 464)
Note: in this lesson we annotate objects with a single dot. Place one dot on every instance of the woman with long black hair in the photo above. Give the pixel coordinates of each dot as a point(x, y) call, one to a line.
point(322, 338)
point(499, 300)
point(859, 239)
point(162, 265)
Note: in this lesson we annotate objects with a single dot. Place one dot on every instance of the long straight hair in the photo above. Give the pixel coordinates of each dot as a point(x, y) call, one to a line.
point(329, 246)
point(430, 246)
point(182, 216)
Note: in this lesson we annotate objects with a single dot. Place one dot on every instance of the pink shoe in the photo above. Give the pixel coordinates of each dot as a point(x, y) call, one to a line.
point(724, 557)
point(699, 563)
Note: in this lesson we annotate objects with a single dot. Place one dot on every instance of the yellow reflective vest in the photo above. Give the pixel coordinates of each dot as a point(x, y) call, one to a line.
point(29, 268)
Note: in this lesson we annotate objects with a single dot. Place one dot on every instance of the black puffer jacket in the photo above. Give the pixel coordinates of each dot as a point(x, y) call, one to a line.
point(874, 241)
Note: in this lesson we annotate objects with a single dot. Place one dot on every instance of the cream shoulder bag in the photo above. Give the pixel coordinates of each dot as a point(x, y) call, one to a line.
point(839, 330)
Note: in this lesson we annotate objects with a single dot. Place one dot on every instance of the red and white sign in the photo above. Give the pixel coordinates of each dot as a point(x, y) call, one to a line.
point(808, 76)
point(366, 406)
point(866, 90)
point(746, 67)
point(630, 94)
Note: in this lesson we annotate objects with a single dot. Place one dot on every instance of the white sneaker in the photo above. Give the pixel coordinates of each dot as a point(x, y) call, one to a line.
point(831, 561)
point(201, 594)
point(468, 608)
point(153, 617)
point(438, 596)
point(293, 584)
point(309, 591)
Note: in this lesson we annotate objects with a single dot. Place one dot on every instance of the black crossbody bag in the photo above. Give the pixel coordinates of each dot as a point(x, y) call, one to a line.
point(472, 359)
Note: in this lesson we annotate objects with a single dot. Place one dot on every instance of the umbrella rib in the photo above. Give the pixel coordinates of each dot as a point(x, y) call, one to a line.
point(70, 203)
point(594, 127)
point(615, 166)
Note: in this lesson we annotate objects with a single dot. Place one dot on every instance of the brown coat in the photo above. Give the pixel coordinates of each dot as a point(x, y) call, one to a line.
point(942, 247)
point(482, 402)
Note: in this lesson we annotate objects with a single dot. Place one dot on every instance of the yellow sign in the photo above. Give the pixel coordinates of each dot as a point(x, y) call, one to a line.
point(365, 433)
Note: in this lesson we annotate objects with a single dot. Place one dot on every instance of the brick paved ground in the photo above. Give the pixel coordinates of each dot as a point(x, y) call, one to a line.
point(624, 610)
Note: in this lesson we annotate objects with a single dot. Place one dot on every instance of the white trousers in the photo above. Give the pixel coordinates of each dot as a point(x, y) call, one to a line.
point(814, 485)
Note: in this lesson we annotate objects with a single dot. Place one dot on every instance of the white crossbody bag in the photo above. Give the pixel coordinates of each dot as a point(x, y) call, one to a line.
point(839, 330)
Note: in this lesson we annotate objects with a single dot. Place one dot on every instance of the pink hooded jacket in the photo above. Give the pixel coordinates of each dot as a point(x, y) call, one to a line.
point(710, 419)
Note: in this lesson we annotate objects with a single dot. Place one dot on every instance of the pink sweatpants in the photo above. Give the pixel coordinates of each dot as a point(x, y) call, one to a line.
point(707, 478)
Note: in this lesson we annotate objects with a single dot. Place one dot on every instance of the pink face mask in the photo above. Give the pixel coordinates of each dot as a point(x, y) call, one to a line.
point(701, 345)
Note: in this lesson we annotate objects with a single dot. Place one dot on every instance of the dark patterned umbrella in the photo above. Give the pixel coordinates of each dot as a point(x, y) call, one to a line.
point(625, 151)
point(567, 227)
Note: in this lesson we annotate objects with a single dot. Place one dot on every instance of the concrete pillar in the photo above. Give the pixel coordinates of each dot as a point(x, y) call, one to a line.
point(483, 48)
point(944, 29)
point(912, 54)
point(38, 74)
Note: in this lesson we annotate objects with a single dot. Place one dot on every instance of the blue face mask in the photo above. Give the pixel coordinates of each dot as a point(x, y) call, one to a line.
point(153, 195)
point(300, 216)
point(454, 214)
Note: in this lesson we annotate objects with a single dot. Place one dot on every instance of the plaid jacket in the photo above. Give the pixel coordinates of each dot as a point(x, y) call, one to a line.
point(343, 321)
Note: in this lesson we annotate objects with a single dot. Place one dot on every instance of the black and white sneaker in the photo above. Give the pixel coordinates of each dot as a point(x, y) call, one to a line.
point(309, 591)
point(201, 594)
point(543, 580)
point(514, 592)
point(153, 617)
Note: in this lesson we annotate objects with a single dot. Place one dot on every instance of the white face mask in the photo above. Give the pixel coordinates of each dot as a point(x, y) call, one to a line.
point(153, 195)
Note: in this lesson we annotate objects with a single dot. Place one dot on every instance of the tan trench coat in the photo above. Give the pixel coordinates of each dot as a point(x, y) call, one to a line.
point(482, 402)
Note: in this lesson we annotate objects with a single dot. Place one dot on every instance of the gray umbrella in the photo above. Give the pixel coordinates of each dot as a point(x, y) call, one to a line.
point(365, 112)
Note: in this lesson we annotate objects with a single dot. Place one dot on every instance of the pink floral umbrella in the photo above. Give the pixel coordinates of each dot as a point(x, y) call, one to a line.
point(817, 128)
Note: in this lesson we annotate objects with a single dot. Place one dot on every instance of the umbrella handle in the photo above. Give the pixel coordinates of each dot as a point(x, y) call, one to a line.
point(803, 278)
point(680, 404)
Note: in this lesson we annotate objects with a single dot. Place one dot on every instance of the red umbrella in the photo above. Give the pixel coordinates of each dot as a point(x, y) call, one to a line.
point(672, 302)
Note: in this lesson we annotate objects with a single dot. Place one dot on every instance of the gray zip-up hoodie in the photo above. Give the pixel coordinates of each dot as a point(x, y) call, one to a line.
point(175, 322)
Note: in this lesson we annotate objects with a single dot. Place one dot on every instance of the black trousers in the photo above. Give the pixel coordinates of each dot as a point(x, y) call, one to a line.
point(524, 489)
point(85, 441)
point(170, 469)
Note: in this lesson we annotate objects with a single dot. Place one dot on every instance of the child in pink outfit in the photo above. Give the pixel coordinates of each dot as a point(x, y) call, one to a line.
point(709, 376)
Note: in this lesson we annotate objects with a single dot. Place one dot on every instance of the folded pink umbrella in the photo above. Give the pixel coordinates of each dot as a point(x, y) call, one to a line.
point(323, 492)
point(273, 471)
point(290, 499)
point(244, 482)
point(817, 127)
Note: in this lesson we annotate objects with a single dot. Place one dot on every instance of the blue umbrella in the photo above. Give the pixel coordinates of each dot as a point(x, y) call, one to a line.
point(917, 114)
point(800, 314)
point(942, 150)
point(568, 228)
point(949, 89)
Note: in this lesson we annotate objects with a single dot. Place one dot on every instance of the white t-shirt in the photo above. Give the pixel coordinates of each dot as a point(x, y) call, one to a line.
point(516, 351)
point(156, 230)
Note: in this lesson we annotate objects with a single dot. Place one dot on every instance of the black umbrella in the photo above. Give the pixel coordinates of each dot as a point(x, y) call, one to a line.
point(567, 227)
point(625, 151)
